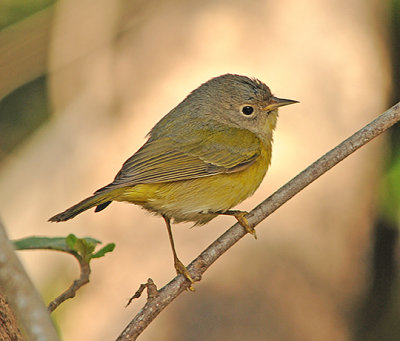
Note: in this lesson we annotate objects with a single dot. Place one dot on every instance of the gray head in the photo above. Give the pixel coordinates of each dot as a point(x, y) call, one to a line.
point(237, 101)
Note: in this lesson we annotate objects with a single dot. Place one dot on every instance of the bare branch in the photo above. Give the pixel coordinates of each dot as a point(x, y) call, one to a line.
point(22, 295)
point(170, 291)
point(151, 291)
point(75, 286)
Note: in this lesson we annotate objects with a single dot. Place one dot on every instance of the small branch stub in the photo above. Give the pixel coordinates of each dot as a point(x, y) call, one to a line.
point(152, 291)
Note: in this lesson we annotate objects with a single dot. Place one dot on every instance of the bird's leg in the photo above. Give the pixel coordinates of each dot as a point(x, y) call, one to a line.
point(179, 267)
point(241, 218)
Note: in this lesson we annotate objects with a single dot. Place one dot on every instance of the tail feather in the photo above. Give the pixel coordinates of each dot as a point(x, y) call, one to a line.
point(102, 206)
point(94, 200)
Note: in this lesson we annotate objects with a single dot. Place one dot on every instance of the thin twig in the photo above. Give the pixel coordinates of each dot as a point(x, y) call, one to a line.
point(151, 291)
point(75, 286)
point(170, 291)
point(22, 295)
point(83, 249)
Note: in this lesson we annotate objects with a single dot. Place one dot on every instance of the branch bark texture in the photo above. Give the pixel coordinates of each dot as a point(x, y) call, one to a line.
point(22, 295)
point(9, 329)
point(197, 267)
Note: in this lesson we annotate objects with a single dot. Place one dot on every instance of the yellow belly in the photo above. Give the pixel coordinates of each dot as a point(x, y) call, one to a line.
point(195, 200)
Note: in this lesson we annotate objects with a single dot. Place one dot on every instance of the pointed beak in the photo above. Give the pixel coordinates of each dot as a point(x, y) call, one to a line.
point(276, 102)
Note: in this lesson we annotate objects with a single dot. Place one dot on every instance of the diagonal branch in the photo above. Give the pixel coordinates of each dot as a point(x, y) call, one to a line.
point(169, 292)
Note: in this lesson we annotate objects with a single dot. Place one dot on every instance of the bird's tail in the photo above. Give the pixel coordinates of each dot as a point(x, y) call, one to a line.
point(99, 199)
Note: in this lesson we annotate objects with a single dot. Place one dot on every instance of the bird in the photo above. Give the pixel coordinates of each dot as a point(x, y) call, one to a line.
point(204, 157)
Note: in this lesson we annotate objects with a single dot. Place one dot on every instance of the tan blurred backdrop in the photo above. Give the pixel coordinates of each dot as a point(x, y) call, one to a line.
point(114, 69)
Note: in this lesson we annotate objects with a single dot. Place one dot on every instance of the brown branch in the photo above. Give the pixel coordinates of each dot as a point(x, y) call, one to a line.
point(22, 295)
point(170, 291)
point(151, 291)
point(83, 249)
point(9, 329)
point(75, 286)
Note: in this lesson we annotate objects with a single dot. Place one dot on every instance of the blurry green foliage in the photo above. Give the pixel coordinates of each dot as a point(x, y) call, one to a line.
point(380, 309)
point(25, 109)
point(390, 186)
point(12, 11)
point(390, 191)
point(21, 113)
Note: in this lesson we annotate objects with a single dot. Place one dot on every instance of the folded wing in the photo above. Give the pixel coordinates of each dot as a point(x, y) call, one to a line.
point(189, 156)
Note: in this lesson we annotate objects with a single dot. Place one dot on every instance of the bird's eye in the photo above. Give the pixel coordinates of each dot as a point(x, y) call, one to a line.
point(247, 110)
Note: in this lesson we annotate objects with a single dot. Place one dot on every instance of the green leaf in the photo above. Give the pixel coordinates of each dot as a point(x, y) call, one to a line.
point(84, 247)
point(34, 243)
point(390, 192)
point(71, 240)
point(101, 253)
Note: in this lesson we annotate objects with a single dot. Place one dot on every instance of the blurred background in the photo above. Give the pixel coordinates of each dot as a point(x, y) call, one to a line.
point(82, 82)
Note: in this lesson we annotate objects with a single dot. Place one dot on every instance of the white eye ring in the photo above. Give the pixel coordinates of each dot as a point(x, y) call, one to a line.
point(247, 110)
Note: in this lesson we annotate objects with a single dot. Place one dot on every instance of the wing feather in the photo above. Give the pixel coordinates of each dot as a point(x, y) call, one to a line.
point(170, 159)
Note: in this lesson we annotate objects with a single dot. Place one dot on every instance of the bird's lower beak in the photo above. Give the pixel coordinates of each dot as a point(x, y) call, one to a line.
point(276, 102)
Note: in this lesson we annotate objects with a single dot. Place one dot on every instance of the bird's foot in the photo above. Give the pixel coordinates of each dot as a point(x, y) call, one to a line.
point(182, 270)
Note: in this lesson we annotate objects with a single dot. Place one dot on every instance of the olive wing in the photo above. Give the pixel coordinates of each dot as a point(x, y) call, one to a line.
point(172, 159)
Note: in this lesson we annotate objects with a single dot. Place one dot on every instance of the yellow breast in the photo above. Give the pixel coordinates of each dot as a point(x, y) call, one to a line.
point(196, 199)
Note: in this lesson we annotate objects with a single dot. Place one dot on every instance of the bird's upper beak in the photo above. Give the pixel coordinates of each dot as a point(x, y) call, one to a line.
point(276, 102)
